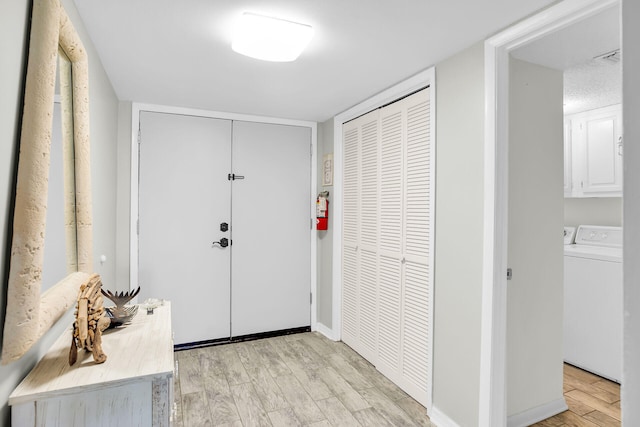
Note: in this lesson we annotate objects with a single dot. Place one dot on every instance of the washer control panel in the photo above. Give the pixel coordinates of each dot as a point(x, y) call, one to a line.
point(597, 235)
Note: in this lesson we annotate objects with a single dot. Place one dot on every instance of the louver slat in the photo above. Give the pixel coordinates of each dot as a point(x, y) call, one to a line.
point(391, 182)
point(417, 180)
point(369, 184)
point(389, 312)
point(350, 186)
point(416, 359)
point(369, 300)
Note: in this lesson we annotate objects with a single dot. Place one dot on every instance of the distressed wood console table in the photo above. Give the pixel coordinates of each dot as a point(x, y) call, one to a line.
point(134, 387)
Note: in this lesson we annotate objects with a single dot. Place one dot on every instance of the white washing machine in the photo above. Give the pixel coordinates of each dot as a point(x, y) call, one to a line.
point(593, 301)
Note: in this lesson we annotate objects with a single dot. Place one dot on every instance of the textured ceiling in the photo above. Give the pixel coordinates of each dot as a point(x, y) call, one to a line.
point(592, 85)
point(178, 52)
point(588, 83)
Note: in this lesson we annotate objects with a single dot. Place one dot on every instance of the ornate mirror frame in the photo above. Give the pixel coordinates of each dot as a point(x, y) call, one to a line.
point(29, 314)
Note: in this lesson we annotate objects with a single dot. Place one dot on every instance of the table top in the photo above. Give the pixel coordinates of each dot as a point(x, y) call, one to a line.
point(142, 349)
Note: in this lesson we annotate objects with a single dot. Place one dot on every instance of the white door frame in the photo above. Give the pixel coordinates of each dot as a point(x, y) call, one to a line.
point(418, 81)
point(493, 393)
point(136, 108)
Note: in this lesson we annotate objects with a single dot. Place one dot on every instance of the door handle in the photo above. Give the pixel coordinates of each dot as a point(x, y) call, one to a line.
point(620, 146)
point(224, 242)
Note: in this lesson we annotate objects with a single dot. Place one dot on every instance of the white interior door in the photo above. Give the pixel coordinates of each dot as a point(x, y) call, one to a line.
point(184, 196)
point(535, 242)
point(271, 258)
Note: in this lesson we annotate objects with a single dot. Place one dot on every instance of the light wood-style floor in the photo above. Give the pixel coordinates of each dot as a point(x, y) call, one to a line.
point(295, 380)
point(592, 400)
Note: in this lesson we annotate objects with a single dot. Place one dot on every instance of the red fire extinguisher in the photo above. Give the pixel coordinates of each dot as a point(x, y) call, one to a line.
point(322, 211)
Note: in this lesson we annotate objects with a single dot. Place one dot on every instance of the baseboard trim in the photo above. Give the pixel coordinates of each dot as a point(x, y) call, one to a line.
point(251, 337)
point(326, 331)
point(538, 413)
point(440, 419)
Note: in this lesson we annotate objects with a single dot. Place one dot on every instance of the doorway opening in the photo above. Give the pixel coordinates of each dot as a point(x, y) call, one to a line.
point(519, 43)
point(587, 54)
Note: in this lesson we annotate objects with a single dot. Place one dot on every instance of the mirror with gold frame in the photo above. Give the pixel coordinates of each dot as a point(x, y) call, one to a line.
point(30, 312)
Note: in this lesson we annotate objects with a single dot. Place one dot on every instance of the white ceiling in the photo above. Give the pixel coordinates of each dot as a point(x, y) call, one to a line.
point(178, 52)
point(588, 83)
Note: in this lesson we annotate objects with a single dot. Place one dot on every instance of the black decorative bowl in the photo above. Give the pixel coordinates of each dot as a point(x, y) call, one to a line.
point(121, 315)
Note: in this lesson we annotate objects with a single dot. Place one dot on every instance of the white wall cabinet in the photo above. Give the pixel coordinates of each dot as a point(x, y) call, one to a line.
point(593, 153)
point(387, 235)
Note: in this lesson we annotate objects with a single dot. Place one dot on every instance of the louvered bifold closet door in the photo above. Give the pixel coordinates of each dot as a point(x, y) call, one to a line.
point(405, 330)
point(417, 305)
point(391, 189)
point(360, 238)
point(387, 233)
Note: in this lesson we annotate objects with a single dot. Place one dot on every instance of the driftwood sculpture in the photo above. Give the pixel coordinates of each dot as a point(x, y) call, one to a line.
point(90, 321)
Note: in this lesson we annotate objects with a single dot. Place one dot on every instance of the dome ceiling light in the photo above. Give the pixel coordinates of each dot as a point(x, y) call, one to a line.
point(270, 39)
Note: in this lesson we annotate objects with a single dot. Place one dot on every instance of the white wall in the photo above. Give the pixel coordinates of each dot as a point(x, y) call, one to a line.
point(593, 211)
point(631, 124)
point(458, 235)
point(124, 197)
point(325, 238)
point(535, 254)
point(103, 109)
point(13, 43)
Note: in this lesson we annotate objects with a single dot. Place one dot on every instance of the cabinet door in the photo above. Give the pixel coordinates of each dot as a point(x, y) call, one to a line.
point(568, 178)
point(602, 153)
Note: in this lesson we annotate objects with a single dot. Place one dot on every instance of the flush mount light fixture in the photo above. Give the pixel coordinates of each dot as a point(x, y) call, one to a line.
point(270, 39)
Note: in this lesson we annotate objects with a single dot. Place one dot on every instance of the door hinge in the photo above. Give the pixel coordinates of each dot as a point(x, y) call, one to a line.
point(310, 297)
point(138, 227)
point(509, 274)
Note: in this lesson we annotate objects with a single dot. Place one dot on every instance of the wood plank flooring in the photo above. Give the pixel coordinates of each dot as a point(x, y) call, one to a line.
point(295, 380)
point(308, 380)
point(592, 400)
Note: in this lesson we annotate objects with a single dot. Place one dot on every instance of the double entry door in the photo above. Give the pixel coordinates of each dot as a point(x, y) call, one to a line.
point(224, 224)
